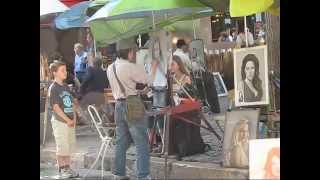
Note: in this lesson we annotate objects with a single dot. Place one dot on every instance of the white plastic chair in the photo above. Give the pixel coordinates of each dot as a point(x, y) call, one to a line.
point(106, 140)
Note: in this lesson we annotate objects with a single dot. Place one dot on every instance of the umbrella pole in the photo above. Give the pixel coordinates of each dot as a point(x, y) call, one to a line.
point(139, 40)
point(245, 30)
point(194, 29)
point(95, 47)
point(153, 22)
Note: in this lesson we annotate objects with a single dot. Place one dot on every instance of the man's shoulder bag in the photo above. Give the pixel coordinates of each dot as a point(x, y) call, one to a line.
point(135, 109)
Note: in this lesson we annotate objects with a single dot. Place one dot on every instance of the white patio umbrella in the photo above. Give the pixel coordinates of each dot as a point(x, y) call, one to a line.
point(51, 6)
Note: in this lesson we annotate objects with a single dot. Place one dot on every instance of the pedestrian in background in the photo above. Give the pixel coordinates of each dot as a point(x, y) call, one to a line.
point(80, 61)
point(182, 52)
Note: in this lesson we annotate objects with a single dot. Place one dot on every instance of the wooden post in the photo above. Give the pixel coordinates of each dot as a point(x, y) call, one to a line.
point(245, 30)
point(273, 43)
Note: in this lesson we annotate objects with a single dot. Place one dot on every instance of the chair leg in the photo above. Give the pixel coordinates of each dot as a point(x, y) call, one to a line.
point(95, 162)
point(106, 147)
point(164, 134)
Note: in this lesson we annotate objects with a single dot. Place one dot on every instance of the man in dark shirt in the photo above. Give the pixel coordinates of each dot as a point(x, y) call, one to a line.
point(92, 88)
point(95, 79)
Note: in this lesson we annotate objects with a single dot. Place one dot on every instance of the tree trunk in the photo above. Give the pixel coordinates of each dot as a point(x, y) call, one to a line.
point(273, 43)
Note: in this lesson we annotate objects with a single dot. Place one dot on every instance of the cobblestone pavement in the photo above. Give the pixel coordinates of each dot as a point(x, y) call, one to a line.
point(88, 141)
point(49, 171)
point(213, 155)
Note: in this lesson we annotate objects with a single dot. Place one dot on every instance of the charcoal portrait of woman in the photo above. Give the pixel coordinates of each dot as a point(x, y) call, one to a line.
point(250, 85)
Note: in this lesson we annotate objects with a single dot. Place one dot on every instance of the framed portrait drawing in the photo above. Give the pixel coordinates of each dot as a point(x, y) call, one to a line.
point(240, 127)
point(197, 53)
point(251, 76)
point(220, 86)
point(264, 156)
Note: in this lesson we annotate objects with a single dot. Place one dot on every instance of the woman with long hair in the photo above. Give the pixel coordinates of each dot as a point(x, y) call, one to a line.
point(250, 86)
point(272, 166)
point(180, 73)
point(181, 77)
point(239, 150)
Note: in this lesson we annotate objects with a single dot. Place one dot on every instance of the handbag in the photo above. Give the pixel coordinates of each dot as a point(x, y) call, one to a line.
point(135, 109)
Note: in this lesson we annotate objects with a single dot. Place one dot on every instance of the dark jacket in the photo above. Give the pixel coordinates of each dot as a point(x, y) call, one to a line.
point(95, 80)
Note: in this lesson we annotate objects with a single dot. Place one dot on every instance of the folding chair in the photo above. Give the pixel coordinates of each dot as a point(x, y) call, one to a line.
point(106, 140)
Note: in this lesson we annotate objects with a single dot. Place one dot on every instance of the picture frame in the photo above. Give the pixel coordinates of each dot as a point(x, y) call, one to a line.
point(197, 53)
point(240, 127)
point(264, 156)
point(251, 83)
point(220, 86)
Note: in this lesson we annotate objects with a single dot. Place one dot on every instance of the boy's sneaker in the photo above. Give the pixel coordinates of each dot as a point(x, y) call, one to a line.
point(68, 173)
point(146, 178)
point(64, 174)
point(73, 173)
point(115, 177)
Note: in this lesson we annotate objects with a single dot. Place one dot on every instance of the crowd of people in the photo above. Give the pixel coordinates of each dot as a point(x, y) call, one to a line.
point(122, 76)
point(126, 78)
point(238, 36)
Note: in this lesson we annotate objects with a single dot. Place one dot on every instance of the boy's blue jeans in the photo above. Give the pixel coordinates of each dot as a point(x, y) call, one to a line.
point(126, 132)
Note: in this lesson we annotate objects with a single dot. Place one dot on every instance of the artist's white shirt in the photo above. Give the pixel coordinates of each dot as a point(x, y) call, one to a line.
point(184, 57)
point(160, 78)
point(129, 75)
point(144, 58)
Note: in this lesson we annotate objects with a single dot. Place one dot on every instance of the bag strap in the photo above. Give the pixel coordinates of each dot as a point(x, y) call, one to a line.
point(120, 84)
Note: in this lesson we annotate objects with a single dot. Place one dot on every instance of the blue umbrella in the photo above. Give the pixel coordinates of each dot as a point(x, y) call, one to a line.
point(75, 17)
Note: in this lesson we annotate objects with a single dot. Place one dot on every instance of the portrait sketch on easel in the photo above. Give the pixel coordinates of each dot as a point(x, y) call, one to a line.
point(197, 54)
point(251, 76)
point(240, 127)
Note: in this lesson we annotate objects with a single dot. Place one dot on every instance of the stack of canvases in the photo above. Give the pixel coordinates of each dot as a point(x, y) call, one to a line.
point(242, 149)
point(241, 146)
point(221, 62)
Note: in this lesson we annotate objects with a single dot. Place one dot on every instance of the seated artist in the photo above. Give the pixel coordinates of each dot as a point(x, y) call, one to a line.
point(185, 137)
